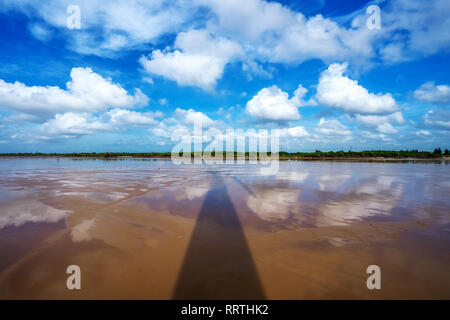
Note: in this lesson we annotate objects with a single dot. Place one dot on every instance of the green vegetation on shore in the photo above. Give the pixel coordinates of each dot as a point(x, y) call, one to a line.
point(437, 153)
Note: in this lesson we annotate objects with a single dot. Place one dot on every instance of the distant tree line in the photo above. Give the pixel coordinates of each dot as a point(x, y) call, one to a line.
point(437, 153)
point(369, 154)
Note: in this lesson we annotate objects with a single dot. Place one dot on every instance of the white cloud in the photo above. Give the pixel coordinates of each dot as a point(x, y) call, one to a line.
point(299, 93)
point(199, 62)
point(74, 124)
point(109, 28)
point(423, 133)
point(40, 32)
point(148, 80)
point(268, 30)
point(430, 92)
point(339, 91)
point(163, 130)
point(249, 20)
point(166, 130)
point(273, 32)
point(123, 116)
point(393, 52)
point(386, 128)
point(255, 69)
point(294, 132)
point(439, 119)
point(332, 127)
point(382, 123)
point(70, 124)
point(376, 136)
point(183, 121)
point(273, 104)
point(322, 38)
point(191, 116)
point(86, 92)
point(418, 27)
point(377, 120)
point(22, 117)
point(185, 69)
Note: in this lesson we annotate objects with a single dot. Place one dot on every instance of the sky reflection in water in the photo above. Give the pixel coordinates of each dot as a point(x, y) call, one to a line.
point(308, 193)
point(189, 225)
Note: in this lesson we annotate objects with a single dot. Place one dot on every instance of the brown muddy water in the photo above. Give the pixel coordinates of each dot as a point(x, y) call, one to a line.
point(150, 229)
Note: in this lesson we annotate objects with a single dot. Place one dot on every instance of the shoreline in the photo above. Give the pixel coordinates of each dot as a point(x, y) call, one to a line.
point(281, 158)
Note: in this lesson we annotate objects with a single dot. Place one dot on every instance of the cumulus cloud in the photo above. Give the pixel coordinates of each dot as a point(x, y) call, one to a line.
point(90, 104)
point(381, 123)
point(322, 38)
point(300, 93)
point(339, 91)
point(185, 69)
point(249, 20)
point(332, 127)
point(268, 30)
point(438, 119)
point(183, 121)
point(122, 116)
point(376, 120)
point(74, 124)
point(273, 32)
point(386, 128)
point(191, 116)
point(429, 92)
point(86, 92)
point(273, 104)
point(71, 124)
point(164, 130)
point(200, 60)
point(294, 132)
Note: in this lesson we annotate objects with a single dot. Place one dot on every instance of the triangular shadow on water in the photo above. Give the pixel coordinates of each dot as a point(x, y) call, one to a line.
point(218, 263)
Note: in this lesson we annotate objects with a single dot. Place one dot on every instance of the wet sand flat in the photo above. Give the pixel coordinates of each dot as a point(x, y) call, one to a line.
point(150, 229)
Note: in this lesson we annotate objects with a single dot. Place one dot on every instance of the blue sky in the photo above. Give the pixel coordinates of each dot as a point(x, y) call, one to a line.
point(136, 71)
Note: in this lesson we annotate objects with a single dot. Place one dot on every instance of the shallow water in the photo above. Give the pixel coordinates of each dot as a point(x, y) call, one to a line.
point(143, 228)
